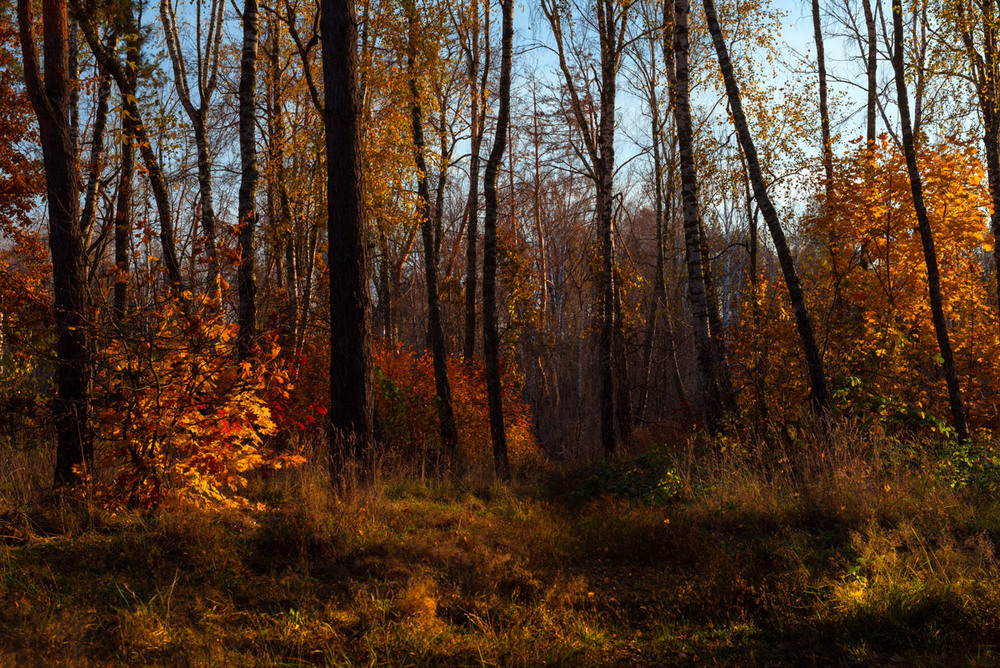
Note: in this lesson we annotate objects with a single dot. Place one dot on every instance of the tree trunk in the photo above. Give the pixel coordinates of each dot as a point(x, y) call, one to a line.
point(248, 182)
point(814, 362)
point(92, 190)
point(605, 169)
point(871, 66)
point(385, 289)
point(985, 68)
point(622, 381)
point(668, 216)
point(476, 129)
point(647, 359)
point(491, 334)
point(207, 76)
point(123, 206)
point(924, 226)
point(600, 149)
point(278, 190)
point(709, 368)
point(435, 333)
point(352, 400)
point(543, 265)
point(658, 303)
point(126, 85)
point(207, 208)
point(824, 113)
point(50, 100)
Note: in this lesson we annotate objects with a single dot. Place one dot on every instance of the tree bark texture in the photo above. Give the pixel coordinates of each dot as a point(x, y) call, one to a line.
point(710, 368)
point(49, 93)
point(491, 334)
point(352, 400)
point(247, 210)
point(924, 226)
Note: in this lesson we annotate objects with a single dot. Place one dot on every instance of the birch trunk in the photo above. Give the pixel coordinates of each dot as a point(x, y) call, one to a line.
point(709, 368)
point(247, 211)
point(491, 334)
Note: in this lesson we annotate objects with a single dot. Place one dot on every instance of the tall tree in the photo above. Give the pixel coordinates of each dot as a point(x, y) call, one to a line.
point(50, 97)
point(599, 142)
point(352, 401)
point(824, 112)
point(814, 361)
point(207, 57)
point(977, 23)
point(648, 68)
point(123, 205)
point(435, 332)
point(924, 226)
point(491, 334)
point(248, 180)
point(871, 70)
point(712, 370)
point(471, 44)
point(126, 82)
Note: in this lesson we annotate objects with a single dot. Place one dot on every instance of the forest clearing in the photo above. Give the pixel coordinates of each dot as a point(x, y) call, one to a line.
point(427, 332)
point(671, 558)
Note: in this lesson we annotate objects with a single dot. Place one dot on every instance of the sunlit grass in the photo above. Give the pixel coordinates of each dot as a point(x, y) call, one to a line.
point(837, 554)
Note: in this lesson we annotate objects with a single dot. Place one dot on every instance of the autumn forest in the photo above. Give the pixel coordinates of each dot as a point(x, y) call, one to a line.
point(428, 332)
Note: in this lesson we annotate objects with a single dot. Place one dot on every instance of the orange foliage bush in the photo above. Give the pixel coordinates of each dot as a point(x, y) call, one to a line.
point(407, 404)
point(864, 275)
point(181, 420)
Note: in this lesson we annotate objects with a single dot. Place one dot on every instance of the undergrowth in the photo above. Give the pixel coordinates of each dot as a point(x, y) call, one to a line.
point(773, 551)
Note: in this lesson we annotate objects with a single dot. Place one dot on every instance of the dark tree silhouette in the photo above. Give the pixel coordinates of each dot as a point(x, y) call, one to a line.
point(924, 226)
point(50, 98)
point(491, 335)
point(352, 402)
point(248, 180)
point(814, 361)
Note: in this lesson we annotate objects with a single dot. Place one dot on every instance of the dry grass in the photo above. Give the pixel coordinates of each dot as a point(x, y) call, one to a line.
point(786, 551)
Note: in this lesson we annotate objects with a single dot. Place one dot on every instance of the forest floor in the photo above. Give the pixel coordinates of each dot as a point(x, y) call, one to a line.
point(669, 558)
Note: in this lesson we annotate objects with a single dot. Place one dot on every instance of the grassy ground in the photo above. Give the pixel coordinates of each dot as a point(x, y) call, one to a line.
point(677, 557)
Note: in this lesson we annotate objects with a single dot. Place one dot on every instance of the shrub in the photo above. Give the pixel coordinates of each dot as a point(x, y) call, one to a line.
point(180, 419)
point(407, 403)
